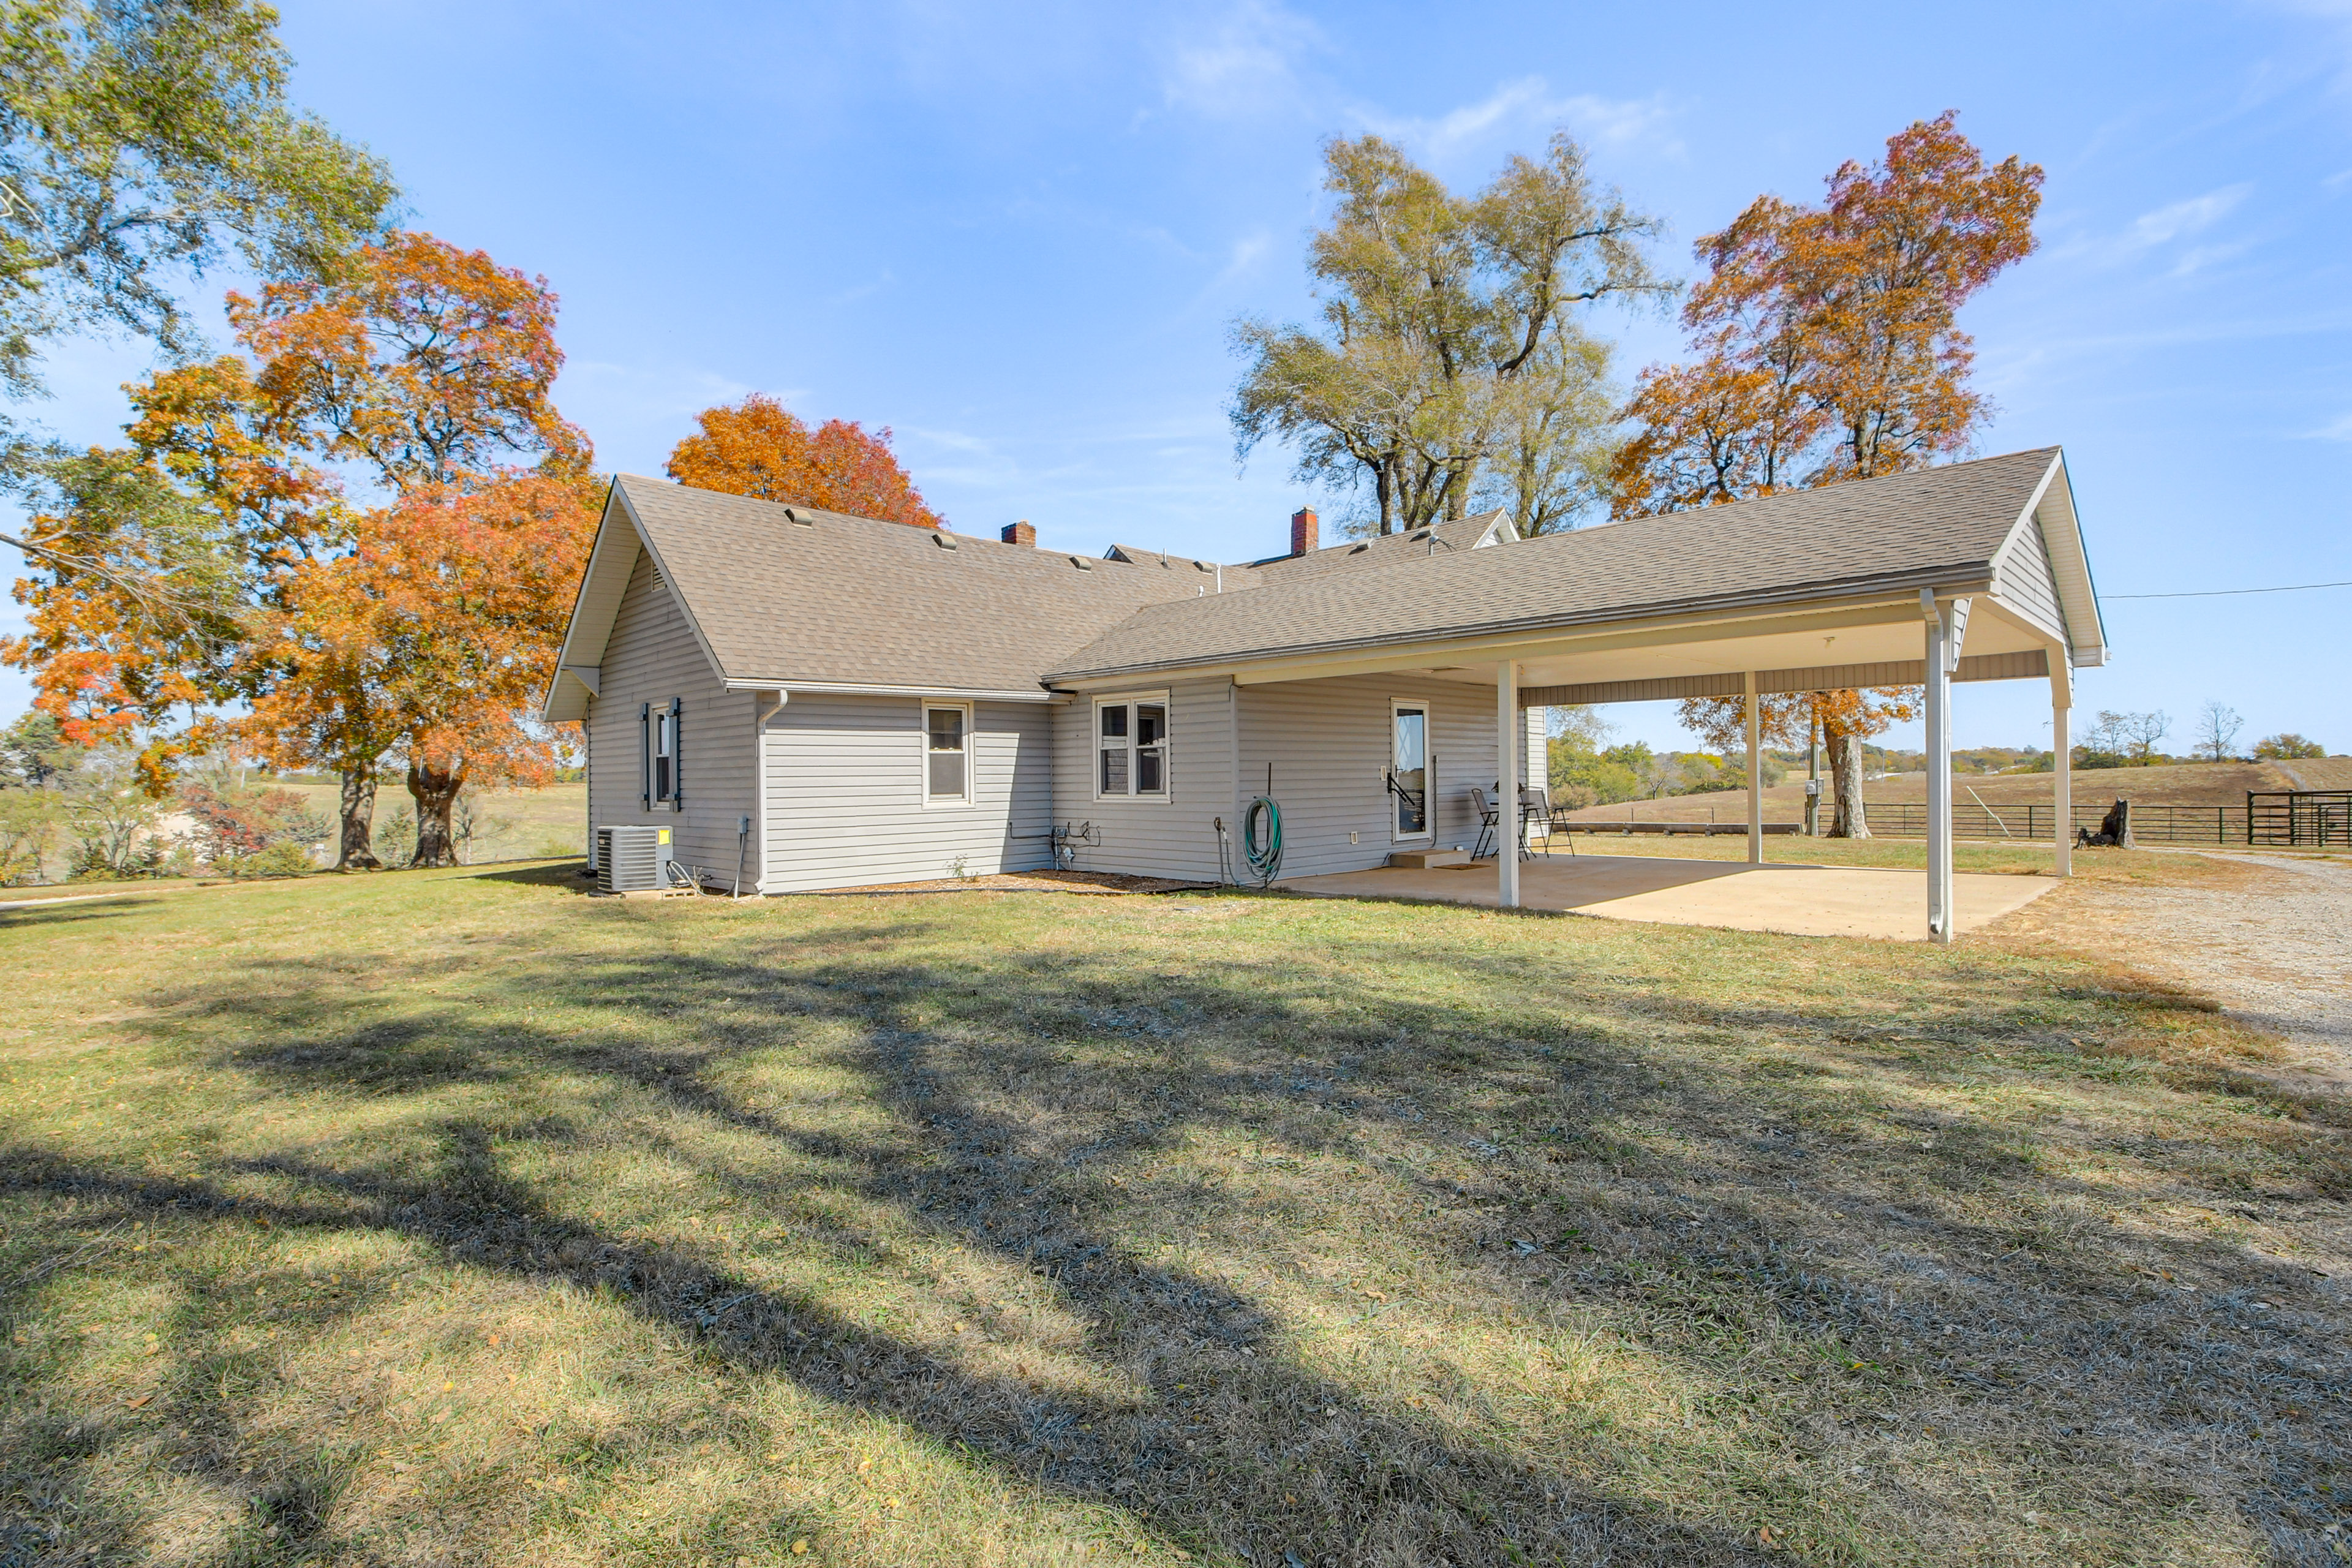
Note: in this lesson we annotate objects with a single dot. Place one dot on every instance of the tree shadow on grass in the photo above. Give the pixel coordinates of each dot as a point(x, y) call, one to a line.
point(74, 911)
point(1007, 1080)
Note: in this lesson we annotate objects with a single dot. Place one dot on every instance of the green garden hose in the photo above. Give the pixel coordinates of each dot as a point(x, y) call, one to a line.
point(1265, 859)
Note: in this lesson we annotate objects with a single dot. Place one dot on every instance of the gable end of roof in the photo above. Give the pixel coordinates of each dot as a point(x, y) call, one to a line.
point(620, 535)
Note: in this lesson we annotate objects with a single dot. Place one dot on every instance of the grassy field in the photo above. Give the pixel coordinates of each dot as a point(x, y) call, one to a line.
point(457, 1218)
point(509, 824)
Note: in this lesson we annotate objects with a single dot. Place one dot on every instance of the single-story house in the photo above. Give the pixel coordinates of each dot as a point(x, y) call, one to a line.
point(814, 701)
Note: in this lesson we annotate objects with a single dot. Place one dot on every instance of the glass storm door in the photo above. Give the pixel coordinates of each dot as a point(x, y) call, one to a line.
point(1409, 772)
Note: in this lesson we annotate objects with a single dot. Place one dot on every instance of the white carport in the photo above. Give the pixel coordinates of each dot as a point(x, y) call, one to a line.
point(1971, 572)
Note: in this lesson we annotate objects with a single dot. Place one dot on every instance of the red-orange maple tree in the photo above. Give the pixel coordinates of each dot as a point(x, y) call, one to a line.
point(435, 630)
point(1829, 350)
point(1828, 341)
point(427, 364)
point(181, 561)
point(759, 447)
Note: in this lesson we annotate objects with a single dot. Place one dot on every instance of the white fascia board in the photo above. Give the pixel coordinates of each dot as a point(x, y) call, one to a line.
point(2053, 507)
point(594, 608)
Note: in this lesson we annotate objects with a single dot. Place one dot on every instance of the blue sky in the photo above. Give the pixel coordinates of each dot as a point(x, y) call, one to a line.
point(1018, 235)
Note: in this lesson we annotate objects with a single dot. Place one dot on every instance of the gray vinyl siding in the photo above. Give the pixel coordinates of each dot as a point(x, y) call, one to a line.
point(2022, 578)
point(652, 656)
point(845, 793)
point(1328, 742)
point(1147, 837)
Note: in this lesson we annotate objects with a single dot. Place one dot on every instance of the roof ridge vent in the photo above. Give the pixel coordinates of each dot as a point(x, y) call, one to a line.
point(1082, 564)
point(790, 515)
point(943, 538)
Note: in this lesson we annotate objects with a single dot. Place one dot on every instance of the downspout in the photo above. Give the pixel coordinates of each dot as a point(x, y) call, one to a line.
point(588, 778)
point(761, 711)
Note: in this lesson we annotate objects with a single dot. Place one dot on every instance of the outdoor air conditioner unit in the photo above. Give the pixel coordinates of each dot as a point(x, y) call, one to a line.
point(631, 859)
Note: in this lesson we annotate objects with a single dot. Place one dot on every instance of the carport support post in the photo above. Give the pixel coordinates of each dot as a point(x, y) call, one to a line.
point(1946, 625)
point(1507, 780)
point(2061, 765)
point(1754, 778)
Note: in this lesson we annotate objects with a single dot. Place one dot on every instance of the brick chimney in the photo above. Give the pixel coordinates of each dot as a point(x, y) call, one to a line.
point(1302, 530)
point(1019, 533)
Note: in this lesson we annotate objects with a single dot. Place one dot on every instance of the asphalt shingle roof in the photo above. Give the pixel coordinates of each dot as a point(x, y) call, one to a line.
point(1415, 544)
point(851, 601)
point(1937, 524)
point(1460, 534)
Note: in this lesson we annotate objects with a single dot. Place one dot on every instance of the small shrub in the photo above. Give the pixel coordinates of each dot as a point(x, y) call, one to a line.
point(282, 860)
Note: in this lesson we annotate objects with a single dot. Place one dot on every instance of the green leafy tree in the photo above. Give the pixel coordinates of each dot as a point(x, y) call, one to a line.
point(1451, 366)
point(141, 140)
point(2287, 746)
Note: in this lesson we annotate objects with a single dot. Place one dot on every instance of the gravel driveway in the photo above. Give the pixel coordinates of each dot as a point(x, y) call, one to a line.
point(2273, 947)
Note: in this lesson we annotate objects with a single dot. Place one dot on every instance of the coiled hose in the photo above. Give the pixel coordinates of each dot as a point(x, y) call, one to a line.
point(1265, 859)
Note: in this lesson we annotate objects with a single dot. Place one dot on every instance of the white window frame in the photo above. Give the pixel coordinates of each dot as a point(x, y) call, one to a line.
point(923, 754)
point(1130, 700)
point(663, 786)
point(1428, 833)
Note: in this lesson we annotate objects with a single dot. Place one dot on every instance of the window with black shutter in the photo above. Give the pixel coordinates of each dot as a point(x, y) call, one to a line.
point(667, 784)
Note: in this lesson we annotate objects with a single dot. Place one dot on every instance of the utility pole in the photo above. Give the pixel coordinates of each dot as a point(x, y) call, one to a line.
point(1813, 780)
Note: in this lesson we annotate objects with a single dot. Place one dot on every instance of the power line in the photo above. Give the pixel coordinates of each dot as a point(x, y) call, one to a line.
point(2221, 593)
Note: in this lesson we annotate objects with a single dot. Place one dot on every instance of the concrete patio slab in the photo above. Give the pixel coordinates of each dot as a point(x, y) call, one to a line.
point(1797, 899)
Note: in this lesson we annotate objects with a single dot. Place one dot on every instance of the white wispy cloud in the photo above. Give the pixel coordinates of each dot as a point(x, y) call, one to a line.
point(2181, 219)
point(1529, 103)
point(1243, 65)
point(2341, 430)
point(2175, 224)
point(1244, 254)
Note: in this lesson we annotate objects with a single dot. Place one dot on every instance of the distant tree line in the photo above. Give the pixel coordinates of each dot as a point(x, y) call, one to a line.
point(2134, 740)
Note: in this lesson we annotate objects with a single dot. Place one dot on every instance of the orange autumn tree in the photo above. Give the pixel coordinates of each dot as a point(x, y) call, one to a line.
point(430, 368)
point(1829, 350)
point(415, 365)
point(759, 447)
point(425, 363)
point(155, 559)
point(435, 630)
point(1789, 718)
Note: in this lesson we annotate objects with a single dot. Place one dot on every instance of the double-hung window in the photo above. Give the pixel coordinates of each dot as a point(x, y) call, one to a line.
point(664, 773)
point(946, 753)
point(1131, 747)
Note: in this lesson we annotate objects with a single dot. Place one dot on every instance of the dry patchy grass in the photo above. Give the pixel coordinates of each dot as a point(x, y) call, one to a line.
point(456, 1217)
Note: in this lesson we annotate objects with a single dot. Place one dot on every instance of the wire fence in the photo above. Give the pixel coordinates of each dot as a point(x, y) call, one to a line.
point(2150, 824)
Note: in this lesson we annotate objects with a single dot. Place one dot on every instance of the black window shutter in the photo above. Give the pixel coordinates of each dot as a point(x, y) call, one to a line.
point(645, 753)
point(677, 754)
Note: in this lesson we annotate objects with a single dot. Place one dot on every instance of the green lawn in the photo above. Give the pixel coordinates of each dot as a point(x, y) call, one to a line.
point(457, 1218)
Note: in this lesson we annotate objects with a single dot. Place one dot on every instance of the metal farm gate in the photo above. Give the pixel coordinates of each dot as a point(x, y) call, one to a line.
point(2313, 818)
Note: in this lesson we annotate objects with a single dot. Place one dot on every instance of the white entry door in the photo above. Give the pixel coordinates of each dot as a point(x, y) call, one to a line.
point(1409, 771)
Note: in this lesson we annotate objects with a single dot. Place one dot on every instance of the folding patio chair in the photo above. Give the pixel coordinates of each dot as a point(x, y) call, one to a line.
point(1485, 806)
point(1535, 806)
